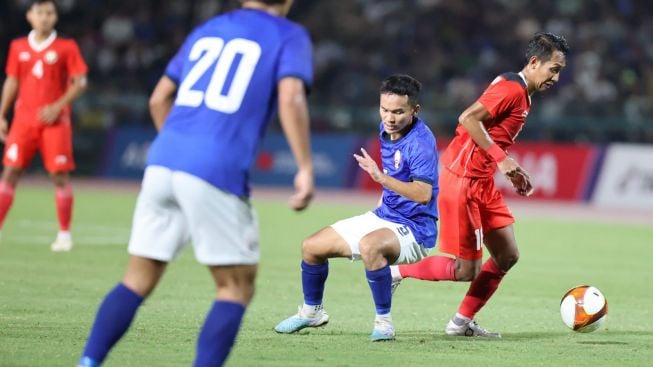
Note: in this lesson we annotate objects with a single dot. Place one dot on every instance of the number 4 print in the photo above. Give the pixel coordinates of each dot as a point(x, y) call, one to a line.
point(37, 69)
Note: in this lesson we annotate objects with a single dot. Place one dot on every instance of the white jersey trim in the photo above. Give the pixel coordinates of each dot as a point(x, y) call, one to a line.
point(40, 46)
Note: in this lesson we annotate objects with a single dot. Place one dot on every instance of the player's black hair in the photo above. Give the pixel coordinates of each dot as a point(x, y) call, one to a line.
point(39, 2)
point(402, 85)
point(543, 44)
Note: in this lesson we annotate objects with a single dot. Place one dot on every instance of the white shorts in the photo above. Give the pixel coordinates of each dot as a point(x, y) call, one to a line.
point(175, 208)
point(355, 228)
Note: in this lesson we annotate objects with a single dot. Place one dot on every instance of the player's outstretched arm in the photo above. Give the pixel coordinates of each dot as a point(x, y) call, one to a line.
point(417, 191)
point(9, 91)
point(50, 113)
point(161, 101)
point(293, 113)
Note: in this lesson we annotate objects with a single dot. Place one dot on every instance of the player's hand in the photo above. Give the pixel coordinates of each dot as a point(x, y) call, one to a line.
point(50, 113)
point(522, 183)
point(4, 129)
point(369, 165)
point(303, 190)
point(519, 178)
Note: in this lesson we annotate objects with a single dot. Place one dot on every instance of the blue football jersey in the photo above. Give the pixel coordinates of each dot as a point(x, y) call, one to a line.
point(227, 72)
point(414, 157)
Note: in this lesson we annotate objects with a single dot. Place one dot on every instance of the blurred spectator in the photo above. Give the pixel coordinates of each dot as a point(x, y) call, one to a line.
point(453, 47)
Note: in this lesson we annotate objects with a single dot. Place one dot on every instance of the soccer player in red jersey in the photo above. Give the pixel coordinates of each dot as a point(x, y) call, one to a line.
point(472, 211)
point(46, 73)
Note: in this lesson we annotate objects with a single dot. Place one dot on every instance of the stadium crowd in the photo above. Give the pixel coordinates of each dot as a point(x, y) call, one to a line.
point(453, 47)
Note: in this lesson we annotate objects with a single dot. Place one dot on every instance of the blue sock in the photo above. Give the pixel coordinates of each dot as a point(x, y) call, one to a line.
point(380, 282)
point(218, 333)
point(313, 279)
point(111, 321)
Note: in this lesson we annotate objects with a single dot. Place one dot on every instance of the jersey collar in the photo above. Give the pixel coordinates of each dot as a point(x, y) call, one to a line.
point(40, 46)
point(521, 75)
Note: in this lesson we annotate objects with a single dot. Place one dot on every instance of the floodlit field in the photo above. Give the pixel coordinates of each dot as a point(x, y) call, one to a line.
point(48, 300)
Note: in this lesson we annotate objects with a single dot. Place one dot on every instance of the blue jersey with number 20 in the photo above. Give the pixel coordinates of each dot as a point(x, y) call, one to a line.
point(227, 72)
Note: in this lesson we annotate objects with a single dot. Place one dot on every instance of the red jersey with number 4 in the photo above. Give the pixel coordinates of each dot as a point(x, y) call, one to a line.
point(44, 71)
point(508, 103)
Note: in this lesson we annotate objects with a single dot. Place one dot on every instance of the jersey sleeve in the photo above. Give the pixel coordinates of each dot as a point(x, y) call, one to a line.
point(423, 163)
point(175, 67)
point(296, 57)
point(500, 97)
point(75, 62)
point(11, 69)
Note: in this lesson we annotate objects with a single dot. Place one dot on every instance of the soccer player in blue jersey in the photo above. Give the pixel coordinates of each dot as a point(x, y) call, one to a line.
point(401, 230)
point(229, 77)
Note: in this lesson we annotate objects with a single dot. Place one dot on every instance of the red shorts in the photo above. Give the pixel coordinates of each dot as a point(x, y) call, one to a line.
point(53, 141)
point(469, 208)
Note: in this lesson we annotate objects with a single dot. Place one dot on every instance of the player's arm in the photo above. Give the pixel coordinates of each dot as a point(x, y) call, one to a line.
point(472, 120)
point(417, 191)
point(293, 114)
point(9, 91)
point(78, 85)
point(161, 100)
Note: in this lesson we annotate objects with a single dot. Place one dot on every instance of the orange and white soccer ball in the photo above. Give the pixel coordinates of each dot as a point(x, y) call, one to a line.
point(584, 308)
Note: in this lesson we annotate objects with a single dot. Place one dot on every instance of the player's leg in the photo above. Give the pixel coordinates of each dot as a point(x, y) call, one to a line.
point(63, 196)
point(316, 250)
point(456, 228)
point(159, 232)
point(378, 249)
point(497, 220)
point(10, 177)
point(57, 153)
point(224, 232)
point(20, 147)
point(392, 244)
point(235, 290)
point(117, 310)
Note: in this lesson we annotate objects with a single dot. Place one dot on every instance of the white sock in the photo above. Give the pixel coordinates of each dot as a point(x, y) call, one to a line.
point(460, 317)
point(64, 236)
point(310, 311)
point(385, 317)
point(394, 272)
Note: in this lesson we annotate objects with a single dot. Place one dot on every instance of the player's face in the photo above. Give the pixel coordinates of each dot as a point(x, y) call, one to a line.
point(42, 17)
point(396, 113)
point(548, 73)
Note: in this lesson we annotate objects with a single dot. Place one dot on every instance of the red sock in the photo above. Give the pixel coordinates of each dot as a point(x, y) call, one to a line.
point(430, 268)
point(6, 199)
point(64, 199)
point(481, 289)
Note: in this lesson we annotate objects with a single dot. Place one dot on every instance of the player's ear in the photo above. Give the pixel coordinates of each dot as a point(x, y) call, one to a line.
point(416, 109)
point(533, 62)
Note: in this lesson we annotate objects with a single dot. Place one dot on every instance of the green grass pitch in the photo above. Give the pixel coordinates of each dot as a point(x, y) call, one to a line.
point(48, 300)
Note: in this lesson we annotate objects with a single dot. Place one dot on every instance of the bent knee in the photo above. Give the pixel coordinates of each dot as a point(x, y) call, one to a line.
point(505, 263)
point(367, 249)
point(309, 247)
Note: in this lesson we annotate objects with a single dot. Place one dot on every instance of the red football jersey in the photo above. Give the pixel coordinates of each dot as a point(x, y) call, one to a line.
point(44, 71)
point(508, 103)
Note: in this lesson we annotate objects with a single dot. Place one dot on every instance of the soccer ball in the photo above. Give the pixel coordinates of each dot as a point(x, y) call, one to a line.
point(584, 308)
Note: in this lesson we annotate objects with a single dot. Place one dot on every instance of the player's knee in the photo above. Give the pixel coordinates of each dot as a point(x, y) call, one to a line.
point(367, 250)
point(309, 248)
point(508, 261)
point(238, 289)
